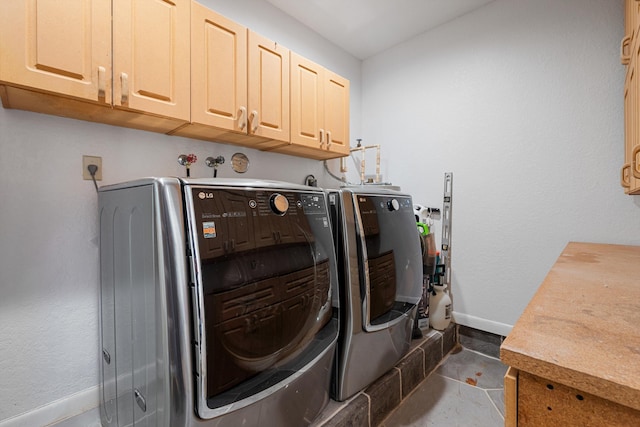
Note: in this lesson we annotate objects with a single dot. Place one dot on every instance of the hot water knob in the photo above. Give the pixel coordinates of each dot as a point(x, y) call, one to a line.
point(279, 204)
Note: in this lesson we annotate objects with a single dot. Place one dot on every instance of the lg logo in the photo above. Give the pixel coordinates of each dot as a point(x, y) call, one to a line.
point(202, 195)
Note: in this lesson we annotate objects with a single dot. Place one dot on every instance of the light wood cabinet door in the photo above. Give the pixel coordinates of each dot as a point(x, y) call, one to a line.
point(628, 181)
point(630, 56)
point(60, 47)
point(307, 103)
point(336, 109)
point(626, 173)
point(632, 139)
point(268, 86)
point(151, 54)
point(218, 71)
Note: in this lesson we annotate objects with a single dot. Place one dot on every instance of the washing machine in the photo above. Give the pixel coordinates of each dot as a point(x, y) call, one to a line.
point(380, 275)
point(216, 303)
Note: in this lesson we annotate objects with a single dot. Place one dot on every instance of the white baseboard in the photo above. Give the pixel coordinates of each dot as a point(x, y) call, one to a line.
point(57, 410)
point(479, 323)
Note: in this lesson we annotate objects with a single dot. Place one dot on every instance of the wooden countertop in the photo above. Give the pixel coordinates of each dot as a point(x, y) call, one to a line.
point(582, 327)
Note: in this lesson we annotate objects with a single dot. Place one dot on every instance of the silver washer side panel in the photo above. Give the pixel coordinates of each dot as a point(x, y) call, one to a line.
point(133, 329)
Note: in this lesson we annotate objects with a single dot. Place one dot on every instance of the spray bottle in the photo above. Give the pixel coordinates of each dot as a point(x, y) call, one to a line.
point(439, 302)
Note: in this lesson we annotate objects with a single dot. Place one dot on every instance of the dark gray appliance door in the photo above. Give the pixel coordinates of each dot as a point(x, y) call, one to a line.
point(389, 244)
point(266, 266)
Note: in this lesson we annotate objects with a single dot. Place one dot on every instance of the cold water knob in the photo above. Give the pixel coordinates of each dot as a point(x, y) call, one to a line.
point(279, 204)
point(393, 205)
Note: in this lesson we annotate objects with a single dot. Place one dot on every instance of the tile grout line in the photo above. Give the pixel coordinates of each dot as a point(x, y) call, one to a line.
point(494, 404)
point(484, 390)
point(369, 407)
point(466, 383)
point(482, 354)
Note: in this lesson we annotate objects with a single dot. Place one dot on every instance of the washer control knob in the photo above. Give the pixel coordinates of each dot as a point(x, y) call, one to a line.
point(279, 204)
point(393, 205)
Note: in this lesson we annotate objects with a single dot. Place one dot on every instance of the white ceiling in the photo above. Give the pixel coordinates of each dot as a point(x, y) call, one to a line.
point(366, 27)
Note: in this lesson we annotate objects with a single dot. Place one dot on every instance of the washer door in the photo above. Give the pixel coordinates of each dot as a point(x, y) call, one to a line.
point(263, 294)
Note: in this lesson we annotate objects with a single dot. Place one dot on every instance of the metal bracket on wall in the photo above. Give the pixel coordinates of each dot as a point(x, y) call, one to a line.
point(445, 253)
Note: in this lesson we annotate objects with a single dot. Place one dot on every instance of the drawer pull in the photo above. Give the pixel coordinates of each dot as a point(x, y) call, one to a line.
point(242, 118)
point(624, 177)
point(254, 121)
point(625, 55)
point(101, 82)
point(124, 80)
point(634, 162)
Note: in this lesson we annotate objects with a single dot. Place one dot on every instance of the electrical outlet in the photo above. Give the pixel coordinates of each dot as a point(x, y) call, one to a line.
point(91, 160)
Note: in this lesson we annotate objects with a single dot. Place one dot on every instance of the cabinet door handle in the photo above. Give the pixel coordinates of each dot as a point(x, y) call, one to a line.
point(625, 55)
point(321, 137)
point(242, 118)
point(254, 121)
point(329, 139)
point(124, 96)
point(634, 162)
point(101, 83)
point(624, 177)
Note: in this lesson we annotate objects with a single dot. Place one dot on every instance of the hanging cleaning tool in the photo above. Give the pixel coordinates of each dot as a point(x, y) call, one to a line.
point(441, 304)
point(446, 226)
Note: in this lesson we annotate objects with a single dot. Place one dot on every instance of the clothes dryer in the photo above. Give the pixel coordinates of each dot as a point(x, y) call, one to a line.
point(380, 274)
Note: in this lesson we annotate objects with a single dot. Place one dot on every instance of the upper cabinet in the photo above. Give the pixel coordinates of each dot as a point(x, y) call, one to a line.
point(319, 111)
point(151, 56)
point(630, 53)
point(220, 99)
point(57, 47)
point(57, 56)
point(171, 66)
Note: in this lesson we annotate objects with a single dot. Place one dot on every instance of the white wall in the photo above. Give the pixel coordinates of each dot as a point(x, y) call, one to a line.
point(522, 101)
point(48, 226)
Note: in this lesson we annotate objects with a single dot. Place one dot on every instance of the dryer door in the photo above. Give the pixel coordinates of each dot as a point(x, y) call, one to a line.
point(390, 247)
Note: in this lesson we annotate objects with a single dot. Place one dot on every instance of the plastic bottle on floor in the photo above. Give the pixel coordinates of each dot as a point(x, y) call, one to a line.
point(440, 308)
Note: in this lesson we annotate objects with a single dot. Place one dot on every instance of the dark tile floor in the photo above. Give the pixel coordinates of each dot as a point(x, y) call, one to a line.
point(465, 391)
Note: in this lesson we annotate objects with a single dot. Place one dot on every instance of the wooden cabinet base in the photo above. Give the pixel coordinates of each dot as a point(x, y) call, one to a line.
point(542, 402)
point(311, 153)
point(511, 398)
point(40, 102)
point(213, 134)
